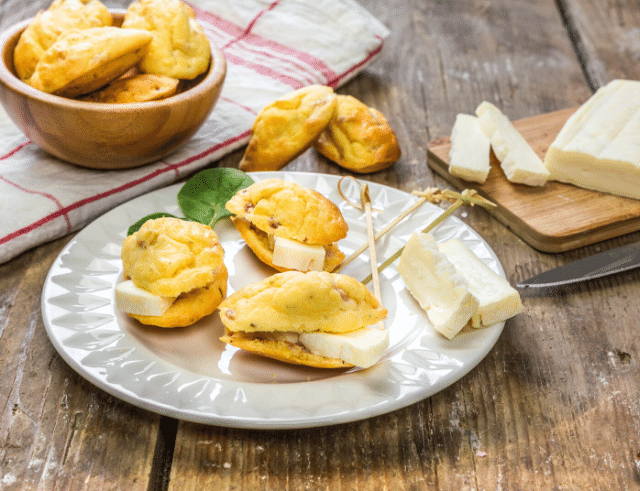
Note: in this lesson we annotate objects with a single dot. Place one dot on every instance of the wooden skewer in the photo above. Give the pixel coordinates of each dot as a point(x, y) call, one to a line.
point(382, 232)
point(467, 197)
point(365, 201)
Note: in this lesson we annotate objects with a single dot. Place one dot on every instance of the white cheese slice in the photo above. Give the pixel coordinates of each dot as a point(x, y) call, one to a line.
point(292, 254)
point(469, 157)
point(434, 282)
point(498, 300)
point(134, 300)
point(362, 348)
point(599, 146)
point(517, 159)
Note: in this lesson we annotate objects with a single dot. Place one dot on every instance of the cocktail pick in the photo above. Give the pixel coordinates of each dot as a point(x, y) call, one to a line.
point(382, 231)
point(468, 197)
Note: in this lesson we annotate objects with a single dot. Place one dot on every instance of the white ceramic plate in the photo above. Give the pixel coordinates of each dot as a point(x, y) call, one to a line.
point(190, 374)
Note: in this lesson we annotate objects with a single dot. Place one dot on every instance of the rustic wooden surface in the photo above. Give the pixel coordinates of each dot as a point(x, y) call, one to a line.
point(553, 406)
point(556, 217)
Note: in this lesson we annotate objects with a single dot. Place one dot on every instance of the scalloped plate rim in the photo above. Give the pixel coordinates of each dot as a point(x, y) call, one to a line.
point(290, 417)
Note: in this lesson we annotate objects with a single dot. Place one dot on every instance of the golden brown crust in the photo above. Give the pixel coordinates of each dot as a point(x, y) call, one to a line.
point(358, 138)
point(192, 306)
point(281, 351)
point(179, 49)
point(48, 24)
point(302, 302)
point(287, 127)
point(140, 87)
point(169, 256)
point(288, 210)
point(82, 61)
point(258, 242)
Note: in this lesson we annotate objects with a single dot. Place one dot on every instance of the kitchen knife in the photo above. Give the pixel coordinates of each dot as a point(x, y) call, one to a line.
point(603, 264)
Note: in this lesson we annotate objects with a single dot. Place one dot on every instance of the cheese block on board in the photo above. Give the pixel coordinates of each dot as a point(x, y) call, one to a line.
point(498, 300)
point(434, 282)
point(599, 146)
point(470, 150)
point(517, 159)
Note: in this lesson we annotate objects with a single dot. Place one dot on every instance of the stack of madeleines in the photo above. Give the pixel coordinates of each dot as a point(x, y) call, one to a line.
point(73, 49)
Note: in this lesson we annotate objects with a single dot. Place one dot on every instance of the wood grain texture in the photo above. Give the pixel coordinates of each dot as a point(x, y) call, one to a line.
point(56, 430)
point(553, 406)
point(516, 422)
point(555, 217)
point(605, 35)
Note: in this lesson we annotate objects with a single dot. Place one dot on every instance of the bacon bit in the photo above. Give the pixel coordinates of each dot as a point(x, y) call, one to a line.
point(248, 207)
point(273, 223)
point(343, 294)
point(230, 313)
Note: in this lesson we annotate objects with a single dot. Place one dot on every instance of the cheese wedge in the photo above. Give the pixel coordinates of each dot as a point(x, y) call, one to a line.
point(134, 300)
point(362, 348)
point(599, 146)
point(292, 254)
point(434, 282)
point(497, 299)
point(517, 159)
point(470, 150)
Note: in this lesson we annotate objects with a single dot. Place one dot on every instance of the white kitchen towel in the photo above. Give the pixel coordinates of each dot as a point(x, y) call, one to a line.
point(272, 47)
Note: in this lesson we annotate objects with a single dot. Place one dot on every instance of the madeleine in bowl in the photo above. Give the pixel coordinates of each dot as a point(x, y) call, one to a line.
point(104, 135)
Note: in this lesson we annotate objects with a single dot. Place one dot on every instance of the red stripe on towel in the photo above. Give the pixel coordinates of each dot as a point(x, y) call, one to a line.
point(31, 191)
point(245, 35)
point(78, 204)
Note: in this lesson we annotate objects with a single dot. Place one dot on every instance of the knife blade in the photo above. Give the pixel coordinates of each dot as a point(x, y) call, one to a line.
point(603, 264)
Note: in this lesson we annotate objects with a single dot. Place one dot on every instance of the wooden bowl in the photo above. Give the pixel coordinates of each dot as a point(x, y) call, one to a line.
point(107, 136)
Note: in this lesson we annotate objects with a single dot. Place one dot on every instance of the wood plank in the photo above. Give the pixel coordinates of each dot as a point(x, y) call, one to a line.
point(553, 406)
point(513, 422)
point(57, 431)
point(556, 217)
point(605, 35)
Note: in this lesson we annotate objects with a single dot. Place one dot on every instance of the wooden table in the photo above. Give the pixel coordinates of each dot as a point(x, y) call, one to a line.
point(554, 405)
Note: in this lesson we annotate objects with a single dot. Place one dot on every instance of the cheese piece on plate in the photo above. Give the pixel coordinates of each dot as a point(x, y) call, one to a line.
point(599, 146)
point(470, 150)
point(363, 347)
point(498, 300)
point(517, 159)
point(292, 254)
point(134, 300)
point(434, 282)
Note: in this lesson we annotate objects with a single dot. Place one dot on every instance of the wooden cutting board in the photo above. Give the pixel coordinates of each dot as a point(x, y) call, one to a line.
point(556, 217)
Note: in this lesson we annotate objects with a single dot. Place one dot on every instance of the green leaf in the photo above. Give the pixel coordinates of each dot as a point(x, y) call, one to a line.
point(202, 198)
point(136, 226)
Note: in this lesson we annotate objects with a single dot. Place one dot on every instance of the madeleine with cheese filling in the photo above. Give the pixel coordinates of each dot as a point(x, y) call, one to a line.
point(174, 265)
point(316, 319)
point(288, 226)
